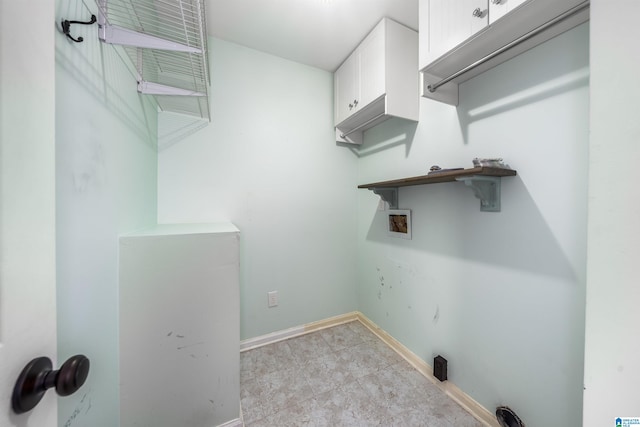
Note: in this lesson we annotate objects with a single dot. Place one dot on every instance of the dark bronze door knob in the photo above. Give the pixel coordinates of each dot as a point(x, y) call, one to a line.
point(37, 377)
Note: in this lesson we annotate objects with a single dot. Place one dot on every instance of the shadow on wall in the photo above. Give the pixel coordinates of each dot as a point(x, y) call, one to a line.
point(99, 69)
point(519, 87)
point(516, 238)
point(394, 132)
point(173, 128)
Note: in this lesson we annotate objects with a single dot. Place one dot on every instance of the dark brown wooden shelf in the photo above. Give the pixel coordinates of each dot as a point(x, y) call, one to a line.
point(447, 176)
point(484, 181)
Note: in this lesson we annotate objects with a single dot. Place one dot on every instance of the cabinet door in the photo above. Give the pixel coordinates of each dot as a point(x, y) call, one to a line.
point(499, 8)
point(346, 88)
point(372, 66)
point(444, 24)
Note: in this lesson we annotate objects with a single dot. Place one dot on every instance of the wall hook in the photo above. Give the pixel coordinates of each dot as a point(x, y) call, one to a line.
point(66, 27)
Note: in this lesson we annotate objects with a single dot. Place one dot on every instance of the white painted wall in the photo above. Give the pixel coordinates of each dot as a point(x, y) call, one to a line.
point(612, 350)
point(269, 163)
point(500, 295)
point(105, 186)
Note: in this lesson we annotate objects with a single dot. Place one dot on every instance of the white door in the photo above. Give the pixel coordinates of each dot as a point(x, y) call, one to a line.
point(27, 200)
point(346, 88)
point(372, 66)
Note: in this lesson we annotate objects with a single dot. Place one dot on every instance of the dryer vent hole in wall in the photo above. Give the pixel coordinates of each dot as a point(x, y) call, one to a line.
point(507, 418)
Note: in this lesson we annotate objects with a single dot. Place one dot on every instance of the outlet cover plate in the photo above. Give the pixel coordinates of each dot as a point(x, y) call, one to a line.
point(272, 298)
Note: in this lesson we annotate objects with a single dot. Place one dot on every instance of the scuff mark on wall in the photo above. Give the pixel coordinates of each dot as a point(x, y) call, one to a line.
point(436, 316)
point(89, 165)
point(72, 418)
point(88, 408)
point(80, 408)
point(190, 345)
point(381, 279)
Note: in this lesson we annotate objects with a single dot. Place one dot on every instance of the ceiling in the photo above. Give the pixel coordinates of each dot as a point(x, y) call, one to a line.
point(320, 33)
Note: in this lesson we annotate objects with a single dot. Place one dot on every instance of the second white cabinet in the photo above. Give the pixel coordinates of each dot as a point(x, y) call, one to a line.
point(463, 38)
point(377, 81)
point(444, 24)
point(499, 8)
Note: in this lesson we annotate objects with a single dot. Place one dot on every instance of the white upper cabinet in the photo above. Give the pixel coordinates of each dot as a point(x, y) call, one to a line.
point(377, 81)
point(463, 38)
point(361, 77)
point(347, 89)
point(447, 24)
point(499, 8)
point(372, 67)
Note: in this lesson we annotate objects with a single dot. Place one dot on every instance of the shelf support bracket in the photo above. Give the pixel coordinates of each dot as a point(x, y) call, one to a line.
point(388, 194)
point(485, 188)
point(112, 34)
point(150, 88)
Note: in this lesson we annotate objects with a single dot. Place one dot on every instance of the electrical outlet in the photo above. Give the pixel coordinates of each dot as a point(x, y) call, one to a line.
point(440, 368)
point(272, 298)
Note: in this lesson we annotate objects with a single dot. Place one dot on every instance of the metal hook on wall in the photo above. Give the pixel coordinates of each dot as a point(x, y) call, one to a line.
point(66, 27)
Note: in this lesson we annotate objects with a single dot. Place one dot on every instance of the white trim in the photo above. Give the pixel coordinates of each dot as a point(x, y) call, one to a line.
point(296, 331)
point(274, 337)
point(233, 423)
point(478, 411)
point(331, 322)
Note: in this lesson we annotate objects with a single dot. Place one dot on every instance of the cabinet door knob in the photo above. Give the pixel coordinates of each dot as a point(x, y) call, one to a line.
point(496, 1)
point(478, 13)
point(355, 102)
point(350, 106)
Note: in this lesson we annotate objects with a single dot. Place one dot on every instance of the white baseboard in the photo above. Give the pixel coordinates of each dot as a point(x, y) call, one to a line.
point(233, 423)
point(296, 331)
point(478, 411)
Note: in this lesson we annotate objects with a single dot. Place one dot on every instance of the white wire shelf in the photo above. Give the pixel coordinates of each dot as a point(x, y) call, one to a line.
point(166, 41)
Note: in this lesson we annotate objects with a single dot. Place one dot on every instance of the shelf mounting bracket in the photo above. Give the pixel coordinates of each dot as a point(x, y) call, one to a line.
point(112, 34)
point(388, 194)
point(485, 188)
point(150, 88)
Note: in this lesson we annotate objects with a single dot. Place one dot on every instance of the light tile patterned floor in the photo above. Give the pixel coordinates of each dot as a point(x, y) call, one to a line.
point(340, 376)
